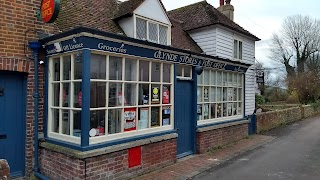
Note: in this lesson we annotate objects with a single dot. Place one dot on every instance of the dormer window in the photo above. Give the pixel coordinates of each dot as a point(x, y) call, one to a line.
point(151, 31)
point(237, 49)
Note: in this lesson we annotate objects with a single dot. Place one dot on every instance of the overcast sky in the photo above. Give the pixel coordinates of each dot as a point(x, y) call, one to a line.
point(261, 17)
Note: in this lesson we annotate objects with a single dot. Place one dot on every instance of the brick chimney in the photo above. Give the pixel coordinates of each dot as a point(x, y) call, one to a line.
point(226, 8)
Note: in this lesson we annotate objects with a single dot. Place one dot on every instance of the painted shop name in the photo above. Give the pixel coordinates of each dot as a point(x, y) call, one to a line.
point(112, 48)
point(187, 59)
point(72, 46)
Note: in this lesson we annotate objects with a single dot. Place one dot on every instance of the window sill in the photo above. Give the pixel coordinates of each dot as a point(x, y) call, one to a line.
point(105, 150)
point(221, 124)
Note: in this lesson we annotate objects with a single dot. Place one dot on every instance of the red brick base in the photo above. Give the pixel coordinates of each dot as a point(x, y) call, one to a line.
point(109, 166)
point(219, 137)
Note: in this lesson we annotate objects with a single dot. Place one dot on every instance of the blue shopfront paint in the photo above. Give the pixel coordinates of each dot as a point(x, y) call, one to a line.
point(92, 41)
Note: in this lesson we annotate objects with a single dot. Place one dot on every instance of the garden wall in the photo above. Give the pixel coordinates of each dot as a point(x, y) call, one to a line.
point(276, 118)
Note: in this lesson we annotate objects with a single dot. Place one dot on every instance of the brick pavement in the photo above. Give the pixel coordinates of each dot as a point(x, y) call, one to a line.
point(192, 165)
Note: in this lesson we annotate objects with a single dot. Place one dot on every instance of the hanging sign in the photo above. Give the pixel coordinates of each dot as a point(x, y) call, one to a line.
point(129, 119)
point(50, 10)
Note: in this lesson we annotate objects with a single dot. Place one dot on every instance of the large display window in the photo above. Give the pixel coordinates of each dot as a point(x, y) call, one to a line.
point(219, 96)
point(128, 97)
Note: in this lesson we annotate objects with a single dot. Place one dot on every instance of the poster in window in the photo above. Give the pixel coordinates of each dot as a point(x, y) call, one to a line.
point(129, 119)
point(230, 94)
point(199, 109)
point(206, 110)
point(229, 107)
point(219, 110)
point(166, 95)
point(155, 95)
point(155, 116)
point(143, 119)
point(206, 93)
point(166, 111)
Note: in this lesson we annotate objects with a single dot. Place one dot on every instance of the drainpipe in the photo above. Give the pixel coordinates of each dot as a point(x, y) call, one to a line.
point(35, 46)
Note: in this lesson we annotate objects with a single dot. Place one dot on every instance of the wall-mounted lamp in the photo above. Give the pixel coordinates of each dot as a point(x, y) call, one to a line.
point(41, 62)
point(199, 70)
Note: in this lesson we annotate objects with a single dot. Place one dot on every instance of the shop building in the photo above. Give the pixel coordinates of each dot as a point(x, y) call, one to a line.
point(127, 90)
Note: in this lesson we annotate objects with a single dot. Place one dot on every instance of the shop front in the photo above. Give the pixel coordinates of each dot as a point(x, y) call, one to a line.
point(117, 107)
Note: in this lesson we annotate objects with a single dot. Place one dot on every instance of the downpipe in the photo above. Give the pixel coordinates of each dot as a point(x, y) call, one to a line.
point(35, 46)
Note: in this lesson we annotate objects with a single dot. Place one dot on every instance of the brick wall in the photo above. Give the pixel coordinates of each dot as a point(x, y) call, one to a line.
point(18, 25)
point(4, 170)
point(219, 137)
point(109, 166)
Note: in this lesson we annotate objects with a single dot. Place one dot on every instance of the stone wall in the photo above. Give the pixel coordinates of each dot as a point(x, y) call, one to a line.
point(4, 170)
point(220, 135)
point(113, 165)
point(273, 119)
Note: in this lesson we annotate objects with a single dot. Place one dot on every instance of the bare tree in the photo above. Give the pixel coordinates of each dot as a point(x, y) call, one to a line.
point(298, 39)
point(297, 47)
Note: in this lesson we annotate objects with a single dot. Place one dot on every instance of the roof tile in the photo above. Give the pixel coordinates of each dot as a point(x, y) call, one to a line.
point(203, 14)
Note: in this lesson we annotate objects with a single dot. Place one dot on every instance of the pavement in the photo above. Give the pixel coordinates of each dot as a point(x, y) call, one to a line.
point(293, 155)
point(191, 166)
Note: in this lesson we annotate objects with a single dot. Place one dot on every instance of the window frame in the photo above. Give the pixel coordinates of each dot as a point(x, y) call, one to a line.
point(168, 37)
point(137, 82)
point(234, 85)
point(239, 54)
point(183, 68)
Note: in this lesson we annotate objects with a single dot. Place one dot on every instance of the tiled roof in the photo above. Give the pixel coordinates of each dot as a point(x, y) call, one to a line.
point(203, 14)
point(181, 39)
point(126, 8)
point(94, 14)
point(101, 15)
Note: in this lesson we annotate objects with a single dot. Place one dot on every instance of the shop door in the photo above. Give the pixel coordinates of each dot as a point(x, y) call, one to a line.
point(12, 121)
point(184, 118)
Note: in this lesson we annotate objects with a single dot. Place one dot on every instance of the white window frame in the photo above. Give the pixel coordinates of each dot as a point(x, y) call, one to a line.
point(110, 137)
point(183, 75)
point(239, 50)
point(237, 82)
point(154, 22)
point(59, 135)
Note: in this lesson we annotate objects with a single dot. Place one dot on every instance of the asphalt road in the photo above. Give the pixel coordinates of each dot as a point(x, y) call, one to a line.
point(294, 154)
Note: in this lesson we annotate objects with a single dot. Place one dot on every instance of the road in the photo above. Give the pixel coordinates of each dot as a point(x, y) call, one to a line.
point(294, 154)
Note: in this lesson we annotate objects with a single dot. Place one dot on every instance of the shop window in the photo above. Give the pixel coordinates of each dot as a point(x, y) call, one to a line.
point(219, 96)
point(65, 96)
point(126, 95)
point(184, 72)
point(151, 31)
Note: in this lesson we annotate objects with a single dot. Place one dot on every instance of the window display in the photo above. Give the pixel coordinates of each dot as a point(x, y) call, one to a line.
point(126, 95)
point(224, 93)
